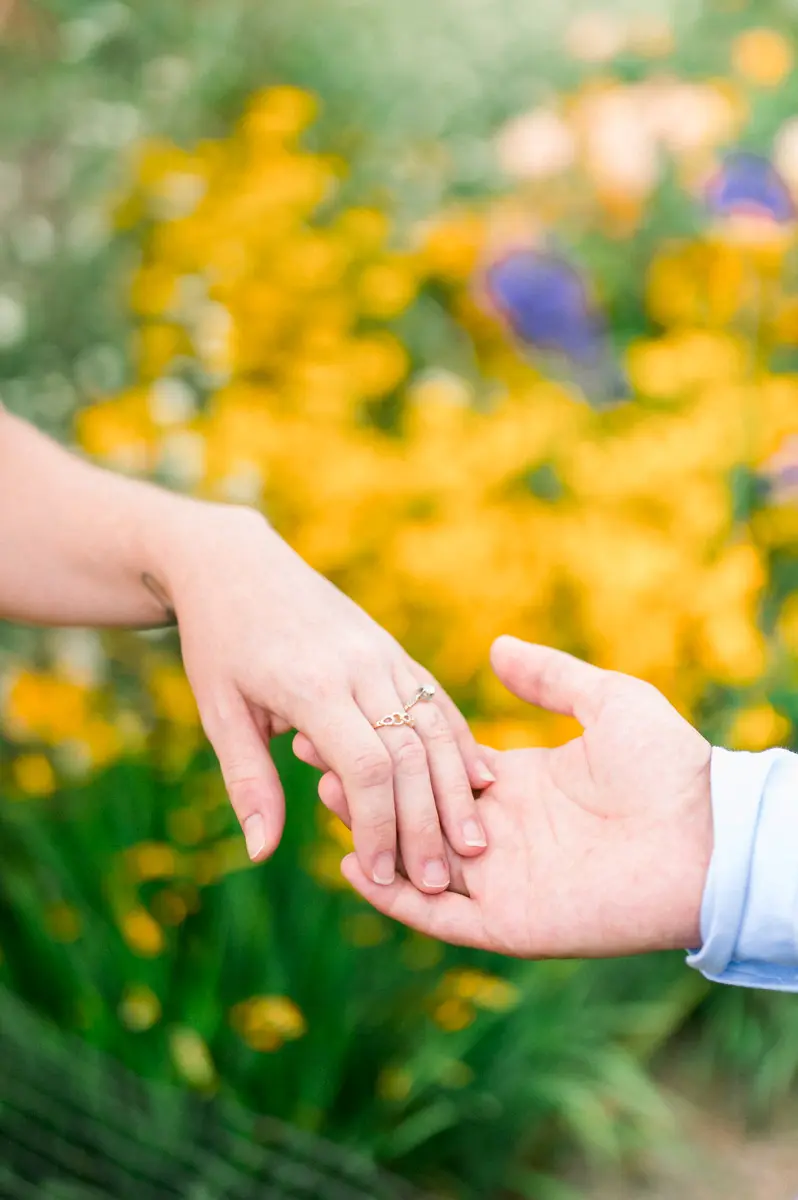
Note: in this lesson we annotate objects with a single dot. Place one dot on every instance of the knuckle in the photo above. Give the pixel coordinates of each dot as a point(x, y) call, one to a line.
point(410, 756)
point(242, 775)
point(322, 684)
point(380, 828)
point(427, 831)
point(244, 789)
point(436, 727)
point(458, 796)
point(372, 768)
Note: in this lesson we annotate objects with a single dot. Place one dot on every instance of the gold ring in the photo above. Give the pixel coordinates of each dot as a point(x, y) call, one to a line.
point(425, 692)
point(396, 718)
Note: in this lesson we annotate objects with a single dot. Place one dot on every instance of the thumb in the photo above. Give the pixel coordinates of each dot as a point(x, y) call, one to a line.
point(249, 773)
point(549, 678)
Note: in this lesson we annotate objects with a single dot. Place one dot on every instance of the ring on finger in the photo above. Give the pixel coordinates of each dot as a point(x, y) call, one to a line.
point(404, 717)
point(425, 692)
point(395, 718)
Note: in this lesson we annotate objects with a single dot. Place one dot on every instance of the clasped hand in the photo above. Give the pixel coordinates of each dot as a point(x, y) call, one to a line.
point(599, 847)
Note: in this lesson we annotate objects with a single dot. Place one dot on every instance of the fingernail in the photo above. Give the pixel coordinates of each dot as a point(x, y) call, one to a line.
point(384, 868)
point(484, 773)
point(473, 833)
point(255, 835)
point(436, 873)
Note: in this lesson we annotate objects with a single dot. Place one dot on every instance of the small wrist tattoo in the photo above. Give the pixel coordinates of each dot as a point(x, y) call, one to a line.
point(154, 588)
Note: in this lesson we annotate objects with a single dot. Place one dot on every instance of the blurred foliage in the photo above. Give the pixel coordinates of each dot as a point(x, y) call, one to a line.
point(69, 1113)
point(317, 329)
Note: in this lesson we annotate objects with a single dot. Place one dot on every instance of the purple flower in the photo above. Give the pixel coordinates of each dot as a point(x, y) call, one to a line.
point(748, 185)
point(543, 299)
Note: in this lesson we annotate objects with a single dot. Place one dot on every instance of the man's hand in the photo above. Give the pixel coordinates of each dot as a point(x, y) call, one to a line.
point(597, 848)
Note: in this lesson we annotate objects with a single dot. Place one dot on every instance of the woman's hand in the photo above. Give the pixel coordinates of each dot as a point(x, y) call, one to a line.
point(268, 644)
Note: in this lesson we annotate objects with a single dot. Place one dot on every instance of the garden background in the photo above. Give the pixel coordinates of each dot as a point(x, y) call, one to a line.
point(291, 255)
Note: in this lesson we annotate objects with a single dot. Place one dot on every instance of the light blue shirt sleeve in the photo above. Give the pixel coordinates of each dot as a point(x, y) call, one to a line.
point(749, 913)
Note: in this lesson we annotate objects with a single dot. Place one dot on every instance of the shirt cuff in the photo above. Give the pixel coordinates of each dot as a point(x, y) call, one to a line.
point(749, 913)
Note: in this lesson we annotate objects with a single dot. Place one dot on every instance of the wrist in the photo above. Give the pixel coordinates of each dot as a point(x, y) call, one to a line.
point(185, 539)
point(694, 854)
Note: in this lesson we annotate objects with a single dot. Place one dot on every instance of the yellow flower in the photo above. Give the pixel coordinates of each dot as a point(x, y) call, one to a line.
point(394, 1084)
point(386, 288)
point(777, 526)
point(266, 1022)
point(155, 160)
point(151, 860)
point(172, 695)
point(732, 650)
point(279, 113)
point(335, 829)
point(100, 742)
point(33, 774)
point(324, 864)
point(378, 364)
point(119, 431)
point(364, 229)
point(452, 246)
point(757, 728)
point(364, 929)
point(186, 825)
point(785, 320)
point(192, 1058)
point(497, 995)
point(143, 935)
point(230, 855)
point(313, 262)
point(170, 907)
point(763, 56)
point(486, 991)
point(63, 922)
point(453, 1014)
point(139, 1008)
point(503, 733)
point(466, 983)
point(205, 867)
point(153, 291)
point(43, 706)
point(131, 730)
point(157, 346)
point(788, 622)
point(697, 282)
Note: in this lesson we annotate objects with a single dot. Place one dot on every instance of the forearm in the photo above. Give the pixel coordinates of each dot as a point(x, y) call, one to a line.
point(79, 545)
